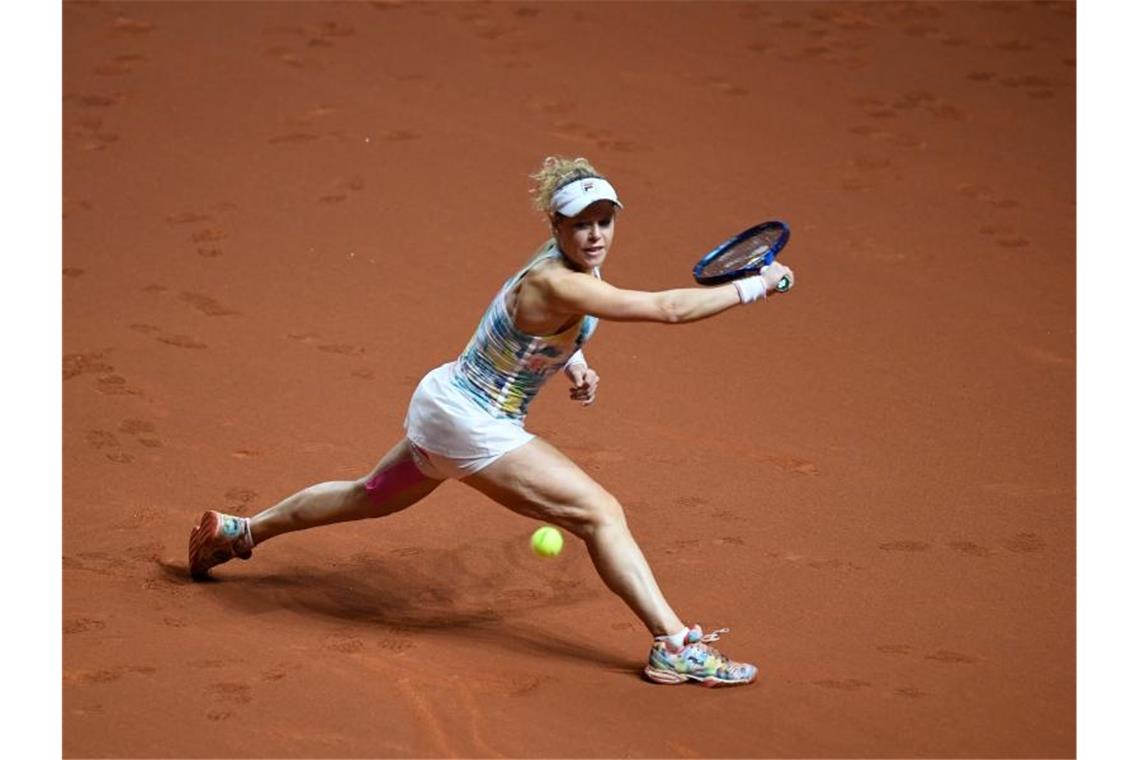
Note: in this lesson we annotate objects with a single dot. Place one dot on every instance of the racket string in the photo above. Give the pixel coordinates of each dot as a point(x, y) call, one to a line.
point(743, 254)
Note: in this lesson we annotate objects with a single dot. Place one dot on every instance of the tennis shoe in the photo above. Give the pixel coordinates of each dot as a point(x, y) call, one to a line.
point(218, 538)
point(696, 661)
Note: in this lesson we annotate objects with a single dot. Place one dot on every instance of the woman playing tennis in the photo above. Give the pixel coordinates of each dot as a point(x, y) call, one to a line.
point(466, 419)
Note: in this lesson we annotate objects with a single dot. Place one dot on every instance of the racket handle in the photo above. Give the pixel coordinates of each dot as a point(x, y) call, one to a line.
point(784, 285)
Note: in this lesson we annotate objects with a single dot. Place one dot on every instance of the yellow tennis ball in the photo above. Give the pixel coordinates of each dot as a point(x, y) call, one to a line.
point(546, 541)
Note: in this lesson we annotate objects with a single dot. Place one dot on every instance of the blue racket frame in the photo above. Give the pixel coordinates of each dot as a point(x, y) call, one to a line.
point(736, 274)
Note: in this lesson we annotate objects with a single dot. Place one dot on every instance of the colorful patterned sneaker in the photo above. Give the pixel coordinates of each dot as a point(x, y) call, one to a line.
point(696, 661)
point(217, 539)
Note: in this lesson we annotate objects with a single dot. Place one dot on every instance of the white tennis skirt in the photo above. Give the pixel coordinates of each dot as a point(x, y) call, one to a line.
point(455, 434)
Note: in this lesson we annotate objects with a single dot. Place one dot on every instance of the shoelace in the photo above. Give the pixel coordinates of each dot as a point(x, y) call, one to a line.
point(708, 638)
point(711, 636)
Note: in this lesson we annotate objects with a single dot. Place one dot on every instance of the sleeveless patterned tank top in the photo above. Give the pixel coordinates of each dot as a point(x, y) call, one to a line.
point(503, 368)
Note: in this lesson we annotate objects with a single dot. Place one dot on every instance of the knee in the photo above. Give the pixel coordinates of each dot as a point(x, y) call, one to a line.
point(602, 512)
point(359, 491)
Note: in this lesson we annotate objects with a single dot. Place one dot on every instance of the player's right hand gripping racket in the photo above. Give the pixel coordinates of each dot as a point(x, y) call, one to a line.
point(744, 255)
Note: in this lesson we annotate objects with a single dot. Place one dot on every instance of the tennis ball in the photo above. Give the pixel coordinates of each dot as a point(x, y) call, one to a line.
point(546, 541)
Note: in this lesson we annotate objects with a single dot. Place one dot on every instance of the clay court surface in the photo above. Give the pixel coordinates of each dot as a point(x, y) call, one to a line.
point(278, 216)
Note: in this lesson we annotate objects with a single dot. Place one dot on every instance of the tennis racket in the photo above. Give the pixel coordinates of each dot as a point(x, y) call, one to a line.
point(744, 255)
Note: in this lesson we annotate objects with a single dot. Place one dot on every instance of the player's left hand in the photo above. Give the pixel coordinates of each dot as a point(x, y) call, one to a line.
point(583, 383)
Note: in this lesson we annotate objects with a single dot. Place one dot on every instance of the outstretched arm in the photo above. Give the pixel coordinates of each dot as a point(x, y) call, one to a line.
point(576, 292)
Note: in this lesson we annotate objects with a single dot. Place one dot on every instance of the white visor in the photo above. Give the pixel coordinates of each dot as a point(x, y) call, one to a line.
point(572, 199)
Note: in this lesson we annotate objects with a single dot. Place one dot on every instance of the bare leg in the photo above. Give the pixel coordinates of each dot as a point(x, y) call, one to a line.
point(539, 481)
point(394, 484)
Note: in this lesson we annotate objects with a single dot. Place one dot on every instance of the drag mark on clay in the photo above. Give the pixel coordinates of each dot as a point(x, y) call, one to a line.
point(914, 99)
point(395, 644)
point(138, 519)
point(343, 642)
point(87, 677)
point(970, 548)
point(277, 673)
point(1035, 86)
point(206, 305)
point(231, 692)
point(847, 684)
point(112, 70)
point(188, 217)
point(834, 564)
point(428, 717)
point(1014, 46)
point(132, 25)
point(292, 138)
point(683, 546)
point(399, 135)
point(1024, 543)
point(312, 114)
point(92, 134)
point(207, 235)
point(213, 664)
point(475, 714)
point(1047, 357)
point(182, 341)
point(227, 695)
point(150, 552)
point(82, 624)
point(344, 349)
point(953, 658)
point(134, 427)
point(115, 385)
point(143, 432)
point(94, 101)
point(793, 464)
point(239, 499)
point(682, 750)
point(102, 439)
point(844, 17)
point(600, 138)
point(288, 57)
point(342, 190)
point(904, 546)
point(894, 139)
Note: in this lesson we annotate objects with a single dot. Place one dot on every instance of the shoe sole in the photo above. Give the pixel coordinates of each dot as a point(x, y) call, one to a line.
point(207, 528)
point(671, 678)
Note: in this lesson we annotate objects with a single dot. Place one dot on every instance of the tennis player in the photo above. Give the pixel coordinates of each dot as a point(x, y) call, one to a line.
point(466, 419)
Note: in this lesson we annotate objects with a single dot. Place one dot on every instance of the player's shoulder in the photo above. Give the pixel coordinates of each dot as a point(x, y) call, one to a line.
point(552, 273)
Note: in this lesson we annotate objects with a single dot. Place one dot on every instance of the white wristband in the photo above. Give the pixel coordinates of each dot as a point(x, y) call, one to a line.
point(751, 289)
point(577, 358)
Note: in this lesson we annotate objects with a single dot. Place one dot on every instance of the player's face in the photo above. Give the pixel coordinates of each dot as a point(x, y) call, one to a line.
point(586, 238)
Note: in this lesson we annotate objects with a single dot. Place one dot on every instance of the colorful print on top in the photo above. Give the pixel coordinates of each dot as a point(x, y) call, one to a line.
point(503, 368)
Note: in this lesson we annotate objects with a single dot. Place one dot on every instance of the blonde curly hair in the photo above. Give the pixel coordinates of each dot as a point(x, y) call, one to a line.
point(556, 172)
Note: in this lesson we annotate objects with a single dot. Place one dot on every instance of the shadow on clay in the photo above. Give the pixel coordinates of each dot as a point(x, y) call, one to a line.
point(478, 591)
